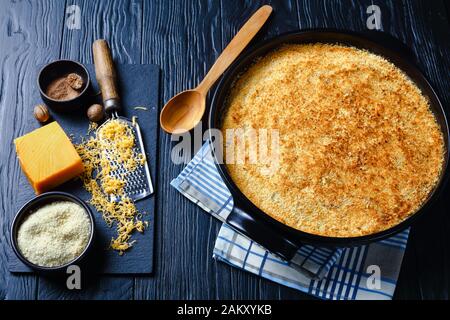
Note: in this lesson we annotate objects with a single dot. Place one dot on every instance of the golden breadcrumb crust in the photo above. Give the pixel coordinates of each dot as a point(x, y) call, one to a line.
point(360, 149)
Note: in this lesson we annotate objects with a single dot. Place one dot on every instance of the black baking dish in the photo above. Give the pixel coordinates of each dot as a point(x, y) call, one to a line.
point(253, 222)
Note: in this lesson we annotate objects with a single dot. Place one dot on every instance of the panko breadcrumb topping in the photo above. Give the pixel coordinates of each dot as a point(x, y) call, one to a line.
point(360, 149)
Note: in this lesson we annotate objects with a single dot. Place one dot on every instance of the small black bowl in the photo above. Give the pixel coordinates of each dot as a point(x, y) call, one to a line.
point(58, 69)
point(36, 203)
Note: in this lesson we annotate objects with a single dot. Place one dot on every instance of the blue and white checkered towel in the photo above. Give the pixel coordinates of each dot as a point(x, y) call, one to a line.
point(365, 272)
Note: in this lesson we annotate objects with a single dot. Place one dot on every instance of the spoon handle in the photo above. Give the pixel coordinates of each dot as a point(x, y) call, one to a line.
point(235, 47)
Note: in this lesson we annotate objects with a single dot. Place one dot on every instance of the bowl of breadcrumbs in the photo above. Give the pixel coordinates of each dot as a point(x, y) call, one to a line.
point(52, 231)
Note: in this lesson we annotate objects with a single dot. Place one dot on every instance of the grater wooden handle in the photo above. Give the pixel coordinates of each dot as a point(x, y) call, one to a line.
point(106, 75)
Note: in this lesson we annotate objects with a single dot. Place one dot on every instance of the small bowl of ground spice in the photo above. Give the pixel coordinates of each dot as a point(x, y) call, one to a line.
point(64, 85)
point(52, 231)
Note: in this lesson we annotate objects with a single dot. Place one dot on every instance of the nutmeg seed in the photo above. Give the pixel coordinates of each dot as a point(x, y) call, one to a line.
point(74, 80)
point(41, 113)
point(95, 112)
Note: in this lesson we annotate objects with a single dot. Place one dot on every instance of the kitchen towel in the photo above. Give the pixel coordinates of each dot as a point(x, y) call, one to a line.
point(357, 273)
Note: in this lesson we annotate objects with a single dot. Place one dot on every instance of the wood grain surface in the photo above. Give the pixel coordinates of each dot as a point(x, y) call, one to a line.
point(27, 35)
point(184, 38)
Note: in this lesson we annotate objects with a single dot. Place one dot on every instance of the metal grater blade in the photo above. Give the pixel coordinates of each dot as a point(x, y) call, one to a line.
point(138, 182)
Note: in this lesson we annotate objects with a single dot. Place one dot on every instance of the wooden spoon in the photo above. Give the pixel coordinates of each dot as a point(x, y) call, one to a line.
point(184, 111)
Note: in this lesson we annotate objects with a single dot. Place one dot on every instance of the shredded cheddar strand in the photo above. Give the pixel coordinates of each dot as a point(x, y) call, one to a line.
point(116, 137)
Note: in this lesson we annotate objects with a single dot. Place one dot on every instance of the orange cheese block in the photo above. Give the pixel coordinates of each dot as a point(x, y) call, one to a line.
point(48, 157)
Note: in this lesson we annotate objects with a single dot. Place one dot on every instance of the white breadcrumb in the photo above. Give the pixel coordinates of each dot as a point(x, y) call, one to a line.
point(54, 234)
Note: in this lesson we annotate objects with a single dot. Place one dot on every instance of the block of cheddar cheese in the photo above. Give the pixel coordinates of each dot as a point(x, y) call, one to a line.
point(48, 157)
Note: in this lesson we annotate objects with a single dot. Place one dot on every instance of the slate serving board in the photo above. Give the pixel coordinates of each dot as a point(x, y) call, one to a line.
point(139, 86)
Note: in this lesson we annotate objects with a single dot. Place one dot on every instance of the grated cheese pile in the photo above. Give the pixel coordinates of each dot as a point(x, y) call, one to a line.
point(54, 234)
point(113, 147)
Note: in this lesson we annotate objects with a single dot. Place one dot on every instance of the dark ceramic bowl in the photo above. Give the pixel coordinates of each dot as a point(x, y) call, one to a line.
point(36, 203)
point(58, 69)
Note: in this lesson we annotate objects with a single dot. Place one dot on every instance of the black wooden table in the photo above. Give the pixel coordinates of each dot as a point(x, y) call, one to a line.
point(184, 38)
